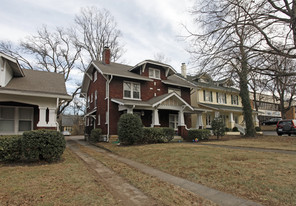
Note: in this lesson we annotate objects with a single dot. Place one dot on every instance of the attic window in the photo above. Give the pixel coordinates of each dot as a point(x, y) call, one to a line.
point(154, 73)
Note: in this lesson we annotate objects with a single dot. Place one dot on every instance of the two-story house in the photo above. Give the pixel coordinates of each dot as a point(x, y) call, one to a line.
point(220, 99)
point(29, 99)
point(151, 89)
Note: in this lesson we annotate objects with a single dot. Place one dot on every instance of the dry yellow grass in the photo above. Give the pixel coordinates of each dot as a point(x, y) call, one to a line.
point(272, 142)
point(162, 192)
point(68, 182)
point(268, 178)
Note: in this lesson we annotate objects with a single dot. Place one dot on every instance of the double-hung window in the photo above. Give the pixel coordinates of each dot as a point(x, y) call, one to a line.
point(95, 76)
point(7, 119)
point(154, 73)
point(234, 99)
point(208, 96)
point(25, 119)
point(221, 98)
point(96, 98)
point(131, 90)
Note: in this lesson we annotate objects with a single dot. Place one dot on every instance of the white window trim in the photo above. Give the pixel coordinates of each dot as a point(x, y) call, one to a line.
point(154, 76)
point(95, 76)
point(99, 119)
point(132, 95)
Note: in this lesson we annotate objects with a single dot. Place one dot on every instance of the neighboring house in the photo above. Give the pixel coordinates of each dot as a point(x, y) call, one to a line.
point(151, 89)
point(69, 122)
point(28, 99)
point(268, 107)
point(220, 99)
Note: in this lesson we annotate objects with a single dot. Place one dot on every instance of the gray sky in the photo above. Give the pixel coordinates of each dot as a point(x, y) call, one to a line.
point(148, 27)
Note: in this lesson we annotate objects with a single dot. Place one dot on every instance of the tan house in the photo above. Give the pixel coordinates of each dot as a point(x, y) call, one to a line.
point(29, 99)
point(219, 99)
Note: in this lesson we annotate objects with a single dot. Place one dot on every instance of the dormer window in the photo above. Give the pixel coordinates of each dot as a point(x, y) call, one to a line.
point(154, 73)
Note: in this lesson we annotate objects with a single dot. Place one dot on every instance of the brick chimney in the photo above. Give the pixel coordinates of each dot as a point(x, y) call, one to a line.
point(106, 55)
point(184, 70)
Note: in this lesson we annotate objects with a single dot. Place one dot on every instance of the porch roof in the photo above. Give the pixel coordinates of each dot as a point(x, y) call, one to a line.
point(220, 107)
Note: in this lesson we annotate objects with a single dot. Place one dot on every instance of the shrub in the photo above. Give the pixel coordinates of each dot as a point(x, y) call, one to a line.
point(218, 127)
point(169, 133)
point(45, 145)
point(227, 129)
point(235, 129)
point(153, 135)
point(95, 135)
point(200, 134)
point(10, 148)
point(129, 129)
point(257, 129)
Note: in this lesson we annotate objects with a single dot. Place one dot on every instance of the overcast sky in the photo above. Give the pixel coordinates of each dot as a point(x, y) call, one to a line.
point(148, 27)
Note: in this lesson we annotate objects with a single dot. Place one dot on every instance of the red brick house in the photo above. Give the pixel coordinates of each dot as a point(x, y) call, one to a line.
point(151, 89)
point(28, 99)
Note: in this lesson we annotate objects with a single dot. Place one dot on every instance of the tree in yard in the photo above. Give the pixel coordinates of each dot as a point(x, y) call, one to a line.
point(283, 85)
point(218, 127)
point(63, 49)
point(221, 45)
point(95, 29)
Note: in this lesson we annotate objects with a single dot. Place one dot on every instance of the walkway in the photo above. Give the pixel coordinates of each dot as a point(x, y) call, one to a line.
point(292, 152)
point(125, 193)
point(221, 198)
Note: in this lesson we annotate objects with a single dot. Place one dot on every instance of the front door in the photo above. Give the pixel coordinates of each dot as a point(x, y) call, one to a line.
point(173, 121)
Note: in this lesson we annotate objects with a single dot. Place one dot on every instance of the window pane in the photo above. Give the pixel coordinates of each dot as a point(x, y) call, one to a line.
point(6, 125)
point(127, 94)
point(6, 113)
point(151, 73)
point(136, 95)
point(136, 91)
point(157, 73)
point(25, 113)
point(25, 125)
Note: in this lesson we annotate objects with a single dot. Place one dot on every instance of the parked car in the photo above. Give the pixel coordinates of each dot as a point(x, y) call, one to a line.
point(272, 121)
point(287, 126)
point(66, 133)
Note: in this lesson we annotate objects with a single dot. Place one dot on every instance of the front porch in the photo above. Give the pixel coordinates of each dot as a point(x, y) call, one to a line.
point(168, 110)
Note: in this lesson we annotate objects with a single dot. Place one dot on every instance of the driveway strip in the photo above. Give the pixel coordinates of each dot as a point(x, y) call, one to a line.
point(126, 193)
point(220, 198)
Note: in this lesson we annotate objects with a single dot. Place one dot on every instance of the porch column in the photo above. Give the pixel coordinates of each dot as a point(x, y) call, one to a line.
point(129, 110)
point(217, 114)
point(181, 121)
point(231, 121)
point(52, 117)
point(42, 117)
point(199, 123)
point(155, 118)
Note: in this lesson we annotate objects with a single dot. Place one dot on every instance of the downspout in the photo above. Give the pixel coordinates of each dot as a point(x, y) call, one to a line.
point(57, 123)
point(108, 105)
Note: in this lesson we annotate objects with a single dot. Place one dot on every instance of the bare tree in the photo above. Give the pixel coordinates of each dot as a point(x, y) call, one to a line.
point(161, 58)
point(275, 21)
point(283, 87)
point(221, 45)
point(95, 29)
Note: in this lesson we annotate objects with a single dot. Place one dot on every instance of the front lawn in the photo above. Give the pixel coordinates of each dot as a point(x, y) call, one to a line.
point(67, 182)
point(272, 142)
point(268, 178)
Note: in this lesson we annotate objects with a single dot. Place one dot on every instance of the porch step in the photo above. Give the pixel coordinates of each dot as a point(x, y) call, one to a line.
point(177, 138)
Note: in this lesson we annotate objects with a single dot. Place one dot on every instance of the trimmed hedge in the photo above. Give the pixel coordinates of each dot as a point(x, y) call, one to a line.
point(200, 134)
point(45, 145)
point(157, 135)
point(95, 135)
point(130, 129)
point(10, 148)
point(218, 127)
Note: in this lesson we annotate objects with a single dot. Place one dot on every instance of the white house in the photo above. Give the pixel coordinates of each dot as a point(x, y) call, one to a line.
point(28, 98)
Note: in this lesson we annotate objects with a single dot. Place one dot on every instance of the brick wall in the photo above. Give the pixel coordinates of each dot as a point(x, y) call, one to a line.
point(291, 113)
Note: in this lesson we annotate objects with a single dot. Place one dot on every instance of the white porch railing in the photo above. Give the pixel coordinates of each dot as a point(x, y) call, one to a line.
point(240, 128)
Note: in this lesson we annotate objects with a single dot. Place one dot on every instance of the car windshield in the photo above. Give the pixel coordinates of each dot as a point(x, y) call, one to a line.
point(285, 123)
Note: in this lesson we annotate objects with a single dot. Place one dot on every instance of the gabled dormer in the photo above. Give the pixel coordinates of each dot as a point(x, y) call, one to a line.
point(153, 70)
point(9, 68)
